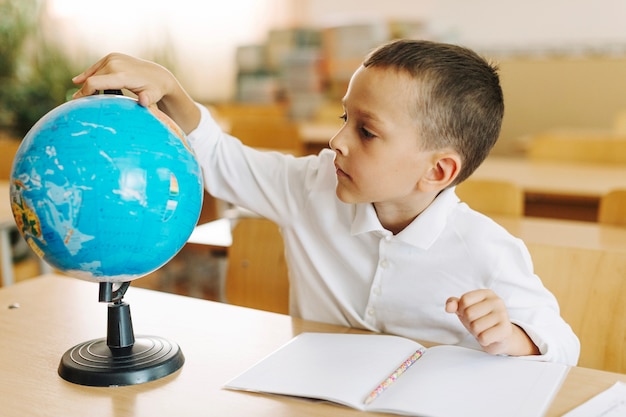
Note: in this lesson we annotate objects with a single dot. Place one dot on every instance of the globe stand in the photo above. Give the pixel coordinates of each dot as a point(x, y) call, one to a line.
point(120, 359)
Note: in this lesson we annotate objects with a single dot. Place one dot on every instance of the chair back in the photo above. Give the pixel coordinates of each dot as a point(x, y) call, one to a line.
point(257, 271)
point(492, 196)
point(590, 285)
point(269, 134)
point(8, 149)
point(588, 146)
point(612, 208)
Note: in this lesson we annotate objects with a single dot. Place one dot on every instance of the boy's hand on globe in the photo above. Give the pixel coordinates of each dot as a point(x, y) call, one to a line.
point(151, 82)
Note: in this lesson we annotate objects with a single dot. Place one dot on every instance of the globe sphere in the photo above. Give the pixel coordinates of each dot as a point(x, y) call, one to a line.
point(104, 189)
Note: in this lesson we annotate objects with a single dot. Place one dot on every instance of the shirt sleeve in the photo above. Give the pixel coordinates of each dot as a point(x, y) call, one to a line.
point(534, 308)
point(265, 182)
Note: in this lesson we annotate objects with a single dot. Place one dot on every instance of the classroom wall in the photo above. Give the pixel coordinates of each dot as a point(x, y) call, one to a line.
point(489, 23)
point(562, 62)
point(543, 93)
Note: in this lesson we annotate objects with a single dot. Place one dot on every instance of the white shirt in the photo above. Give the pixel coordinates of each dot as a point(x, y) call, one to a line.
point(346, 269)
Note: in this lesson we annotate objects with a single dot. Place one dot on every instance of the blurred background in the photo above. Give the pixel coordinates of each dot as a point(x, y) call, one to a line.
point(562, 61)
point(273, 73)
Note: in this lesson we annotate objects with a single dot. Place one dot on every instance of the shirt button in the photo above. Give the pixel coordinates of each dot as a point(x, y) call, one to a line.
point(377, 291)
point(388, 238)
point(384, 263)
point(371, 312)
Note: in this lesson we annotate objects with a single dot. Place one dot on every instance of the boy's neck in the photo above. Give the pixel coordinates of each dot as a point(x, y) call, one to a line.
point(396, 217)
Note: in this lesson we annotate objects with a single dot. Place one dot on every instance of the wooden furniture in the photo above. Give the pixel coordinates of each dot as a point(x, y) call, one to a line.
point(257, 272)
point(42, 318)
point(612, 208)
point(259, 132)
point(590, 287)
point(619, 122)
point(565, 233)
point(8, 149)
point(492, 196)
point(260, 126)
point(235, 110)
point(216, 234)
point(556, 189)
point(316, 135)
point(583, 264)
point(7, 223)
point(579, 145)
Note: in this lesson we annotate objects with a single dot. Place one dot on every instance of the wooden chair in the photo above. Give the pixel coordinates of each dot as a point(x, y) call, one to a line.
point(232, 111)
point(619, 122)
point(590, 286)
point(8, 149)
point(589, 146)
point(267, 133)
point(257, 272)
point(492, 197)
point(612, 208)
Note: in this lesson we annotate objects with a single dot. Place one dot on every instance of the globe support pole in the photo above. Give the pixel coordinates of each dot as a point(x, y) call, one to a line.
point(120, 333)
point(120, 358)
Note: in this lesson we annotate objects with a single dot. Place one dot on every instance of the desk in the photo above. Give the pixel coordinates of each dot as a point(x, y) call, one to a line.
point(219, 341)
point(565, 233)
point(315, 136)
point(556, 189)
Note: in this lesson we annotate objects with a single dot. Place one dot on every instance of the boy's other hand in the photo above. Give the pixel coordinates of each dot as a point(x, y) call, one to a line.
point(485, 316)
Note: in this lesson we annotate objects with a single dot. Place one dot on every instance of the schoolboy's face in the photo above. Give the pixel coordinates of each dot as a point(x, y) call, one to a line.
point(378, 154)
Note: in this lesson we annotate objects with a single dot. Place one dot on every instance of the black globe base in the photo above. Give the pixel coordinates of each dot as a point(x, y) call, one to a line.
point(94, 363)
point(120, 358)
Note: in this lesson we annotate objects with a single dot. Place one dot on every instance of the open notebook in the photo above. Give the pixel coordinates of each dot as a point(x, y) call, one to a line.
point(440, 381)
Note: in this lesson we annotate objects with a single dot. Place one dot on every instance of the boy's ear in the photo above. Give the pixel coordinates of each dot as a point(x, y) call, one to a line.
point(445, 168)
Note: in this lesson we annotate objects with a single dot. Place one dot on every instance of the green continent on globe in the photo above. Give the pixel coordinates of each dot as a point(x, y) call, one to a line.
point(104, 189)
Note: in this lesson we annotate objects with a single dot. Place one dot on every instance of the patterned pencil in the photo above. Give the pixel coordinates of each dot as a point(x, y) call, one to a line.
point(394, 376)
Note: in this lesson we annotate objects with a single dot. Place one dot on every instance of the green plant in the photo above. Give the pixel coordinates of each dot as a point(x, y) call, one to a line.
point(35, 75)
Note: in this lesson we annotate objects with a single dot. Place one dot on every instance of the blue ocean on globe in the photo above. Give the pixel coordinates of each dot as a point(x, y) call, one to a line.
point(104, 189)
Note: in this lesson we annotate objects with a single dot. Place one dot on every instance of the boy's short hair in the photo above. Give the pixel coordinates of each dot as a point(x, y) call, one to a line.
point(459, 102)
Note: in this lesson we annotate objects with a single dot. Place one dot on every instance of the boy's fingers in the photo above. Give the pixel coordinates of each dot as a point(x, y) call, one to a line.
point(99, 83)
point(80, 78)
point(452, 305)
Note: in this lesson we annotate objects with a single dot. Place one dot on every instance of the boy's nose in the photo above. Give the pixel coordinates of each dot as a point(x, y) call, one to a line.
point(336, 143)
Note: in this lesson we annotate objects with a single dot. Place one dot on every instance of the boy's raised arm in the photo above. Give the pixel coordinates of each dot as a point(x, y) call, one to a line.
point(152, 83)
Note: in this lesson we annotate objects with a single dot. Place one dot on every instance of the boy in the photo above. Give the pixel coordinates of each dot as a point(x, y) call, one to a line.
point(375, 236)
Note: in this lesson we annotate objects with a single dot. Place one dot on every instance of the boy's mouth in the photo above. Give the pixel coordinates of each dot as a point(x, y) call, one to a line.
point(340, 172)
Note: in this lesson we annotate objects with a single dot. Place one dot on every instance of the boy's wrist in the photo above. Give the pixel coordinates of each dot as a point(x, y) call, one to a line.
point(522, 344)
point(179, 106)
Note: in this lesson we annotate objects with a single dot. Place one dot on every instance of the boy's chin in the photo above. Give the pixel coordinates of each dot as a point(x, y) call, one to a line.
point(347, 197)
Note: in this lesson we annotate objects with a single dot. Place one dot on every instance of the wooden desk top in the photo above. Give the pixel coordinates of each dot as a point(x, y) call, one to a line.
point(566, 233)
point(555, 177)
point(219, 341)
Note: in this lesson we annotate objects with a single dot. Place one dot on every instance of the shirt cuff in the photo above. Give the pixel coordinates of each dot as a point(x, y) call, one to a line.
point(207, 126)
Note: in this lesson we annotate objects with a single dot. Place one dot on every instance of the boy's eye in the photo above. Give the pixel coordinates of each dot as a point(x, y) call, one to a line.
point(366, 133)
point(363, 131)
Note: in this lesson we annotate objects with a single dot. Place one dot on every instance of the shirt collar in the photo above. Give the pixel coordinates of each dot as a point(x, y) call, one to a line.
point(422, 232)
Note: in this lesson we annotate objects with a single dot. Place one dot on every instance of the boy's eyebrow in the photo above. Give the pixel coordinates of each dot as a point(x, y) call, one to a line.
point(363, 113)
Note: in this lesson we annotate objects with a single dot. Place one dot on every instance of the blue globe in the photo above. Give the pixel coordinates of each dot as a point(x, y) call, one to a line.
point(104, 189)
